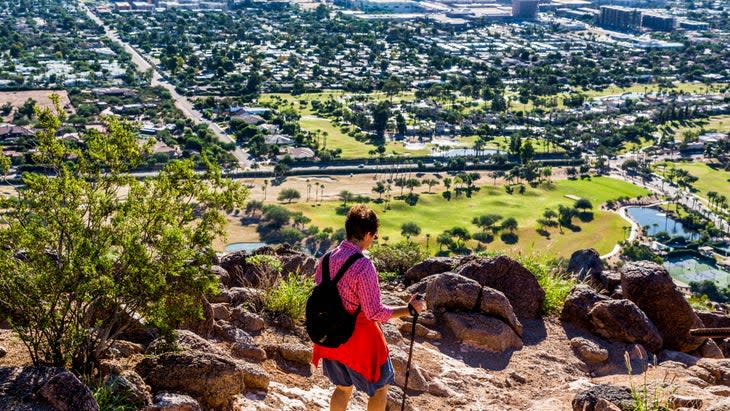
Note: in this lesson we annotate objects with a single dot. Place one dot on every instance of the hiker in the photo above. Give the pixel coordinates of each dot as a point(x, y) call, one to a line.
point(363, 360)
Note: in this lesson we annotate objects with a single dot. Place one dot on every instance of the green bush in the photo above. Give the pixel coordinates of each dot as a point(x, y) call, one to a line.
point(289, 296)
point(398, 257)
point(555, 281)
point(108, 400)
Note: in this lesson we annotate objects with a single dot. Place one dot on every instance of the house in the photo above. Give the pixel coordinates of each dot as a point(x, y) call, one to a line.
point(300, 153)
point(279, 140)
point(251, 119)
point(10, 132)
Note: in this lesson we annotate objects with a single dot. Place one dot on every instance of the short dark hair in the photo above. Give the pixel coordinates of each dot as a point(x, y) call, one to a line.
point(361, 220)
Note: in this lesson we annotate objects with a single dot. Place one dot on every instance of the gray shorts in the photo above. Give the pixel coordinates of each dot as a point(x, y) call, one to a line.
point(340, 374)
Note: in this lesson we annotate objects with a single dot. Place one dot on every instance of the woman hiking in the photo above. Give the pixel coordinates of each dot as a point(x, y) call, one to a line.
point(363, 360)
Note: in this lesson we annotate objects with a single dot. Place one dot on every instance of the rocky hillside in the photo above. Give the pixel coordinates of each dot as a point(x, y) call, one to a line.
point(484, 344)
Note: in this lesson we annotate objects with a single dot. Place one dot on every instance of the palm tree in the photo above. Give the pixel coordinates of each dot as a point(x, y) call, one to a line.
point(309, 189)
point(264, 187)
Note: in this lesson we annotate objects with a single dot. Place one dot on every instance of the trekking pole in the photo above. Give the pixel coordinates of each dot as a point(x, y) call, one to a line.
point(414, 313)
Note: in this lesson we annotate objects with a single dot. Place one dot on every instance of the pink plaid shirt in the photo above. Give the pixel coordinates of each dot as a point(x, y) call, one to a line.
point(359, 286)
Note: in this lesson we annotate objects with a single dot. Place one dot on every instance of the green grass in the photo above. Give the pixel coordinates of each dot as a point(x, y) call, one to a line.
point(557, 284)
point(709, 179)
point(434, 215)
point(719, 124)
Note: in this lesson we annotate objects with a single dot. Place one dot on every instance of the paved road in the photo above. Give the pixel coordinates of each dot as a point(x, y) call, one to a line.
point(181, 102)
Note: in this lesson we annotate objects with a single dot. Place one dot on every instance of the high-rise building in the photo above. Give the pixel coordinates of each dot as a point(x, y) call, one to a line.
point(620, 18)
point(525, 9)
point(658, 22)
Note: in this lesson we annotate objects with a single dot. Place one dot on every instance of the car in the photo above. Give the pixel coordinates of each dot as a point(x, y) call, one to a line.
point(361, 166)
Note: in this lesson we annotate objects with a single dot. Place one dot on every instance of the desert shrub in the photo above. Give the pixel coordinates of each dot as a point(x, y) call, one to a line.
point(398, 257)
point(289, 296)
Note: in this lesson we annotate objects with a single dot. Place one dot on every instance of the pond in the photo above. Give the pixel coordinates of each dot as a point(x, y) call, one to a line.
point(688, 268)
point(654, 220)
point(233, 247)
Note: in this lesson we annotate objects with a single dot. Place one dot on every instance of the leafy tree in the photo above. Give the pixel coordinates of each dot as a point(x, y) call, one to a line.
point(583, 204)
point(253, 206)
point(346, 197)
point(486, 222)
point(379, 188)
point(289, 195)
point(78, 261)
point(277, 216)
point(381, 114)
point(510, 224)
point(409, 229)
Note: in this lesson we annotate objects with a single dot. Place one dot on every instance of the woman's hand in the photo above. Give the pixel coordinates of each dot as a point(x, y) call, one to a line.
point(417, 302)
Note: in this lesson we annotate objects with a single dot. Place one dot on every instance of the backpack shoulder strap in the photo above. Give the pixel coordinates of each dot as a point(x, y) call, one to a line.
point(346, 266)
point(326, 269)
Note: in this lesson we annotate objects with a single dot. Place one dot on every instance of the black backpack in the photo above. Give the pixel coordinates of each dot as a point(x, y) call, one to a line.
point(328, 323)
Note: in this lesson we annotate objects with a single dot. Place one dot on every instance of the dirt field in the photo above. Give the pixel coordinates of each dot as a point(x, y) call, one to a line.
point(17, 98)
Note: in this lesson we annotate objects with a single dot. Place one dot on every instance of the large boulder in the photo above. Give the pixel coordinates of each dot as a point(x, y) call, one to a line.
point(236, 296)
point(649, 286)
point(167, 401)
point(577, 305)
point(517, 283)
point(247, 321)
point(588, 351)
point(129, 387)
point(585, 264)
point(713, 320)
point(213, 379)
point(714, 371)
point(185, 341)
point(20, 390)
point(65, 392)
point(430, 266)
point(622, 320)
point(482, 332)
point(451, 291)
point(587, 400)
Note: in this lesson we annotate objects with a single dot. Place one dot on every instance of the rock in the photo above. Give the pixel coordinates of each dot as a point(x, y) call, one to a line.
point(388, 298)
point(18, 386)
point(455, 292)
point(585, 264)
point(586, 400)
point(713, 320)
point(252, 297)
point(649, 286)
point(298, 353)
point(212, 379)
point(221, 311)
point(202, 326)
point(480, 331)
point(605, 405)
point(392, 335)
point(421, 331)
point(248, 351)
point(247, 321)
point(677, 356)
point(709, 350)
point(577, 305)
point(508, 276)
point(123, 349)
point(186, 341)
point(417, 381)
point(296, 262)
point(222, 275)
point(65, 392)
point(395, 397)
point(430, 266)
point(716, 372)
point(677, 401)
point(130, 388)
point(230, 333)
point(428, 319)
point(3, 352)
point(166, 401)
point(587, 350)
point(622, 320)
point(719, 390)
point(611, 282)
point(722, 405)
